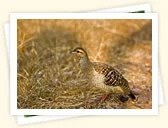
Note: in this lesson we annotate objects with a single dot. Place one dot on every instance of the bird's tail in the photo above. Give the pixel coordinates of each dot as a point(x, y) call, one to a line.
point(131, 95)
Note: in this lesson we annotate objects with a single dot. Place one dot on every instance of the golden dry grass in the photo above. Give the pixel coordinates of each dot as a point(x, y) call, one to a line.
point(49, 77)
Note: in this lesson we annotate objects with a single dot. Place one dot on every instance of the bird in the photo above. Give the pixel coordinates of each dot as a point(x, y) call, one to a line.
point(103, 76)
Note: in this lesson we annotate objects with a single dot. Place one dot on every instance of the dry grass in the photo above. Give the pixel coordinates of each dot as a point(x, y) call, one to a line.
point(49, 77)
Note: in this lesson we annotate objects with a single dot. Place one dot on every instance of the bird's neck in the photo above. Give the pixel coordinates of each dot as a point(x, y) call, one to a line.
point(85, 63)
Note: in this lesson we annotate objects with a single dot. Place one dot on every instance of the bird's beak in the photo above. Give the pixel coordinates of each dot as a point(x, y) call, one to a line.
point(72, 51)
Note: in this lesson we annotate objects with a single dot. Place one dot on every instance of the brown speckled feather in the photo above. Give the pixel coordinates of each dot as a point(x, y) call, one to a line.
point(112, 76)
point(102, 75)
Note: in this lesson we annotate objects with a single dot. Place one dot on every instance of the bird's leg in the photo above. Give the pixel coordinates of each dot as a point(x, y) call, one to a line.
point(98, 101)
point(104, 97)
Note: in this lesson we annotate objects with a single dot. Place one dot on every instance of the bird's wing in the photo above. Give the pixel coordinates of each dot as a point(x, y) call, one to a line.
point(112, 76)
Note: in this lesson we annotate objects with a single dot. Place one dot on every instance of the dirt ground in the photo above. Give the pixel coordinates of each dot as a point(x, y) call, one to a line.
point(49, 76)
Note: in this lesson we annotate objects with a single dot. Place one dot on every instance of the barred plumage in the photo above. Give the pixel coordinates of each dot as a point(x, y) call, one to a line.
point(103, 75)
point(112, 76)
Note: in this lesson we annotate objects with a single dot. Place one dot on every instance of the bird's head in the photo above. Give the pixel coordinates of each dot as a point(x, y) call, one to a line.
point(80, 52)
point(83, 58)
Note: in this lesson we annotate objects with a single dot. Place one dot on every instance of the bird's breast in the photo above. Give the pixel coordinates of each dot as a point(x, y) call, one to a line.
point(98, 80)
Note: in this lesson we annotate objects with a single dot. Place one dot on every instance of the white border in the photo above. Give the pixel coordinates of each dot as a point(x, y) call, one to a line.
point(146, 8)
point(132, 8)
point(13, 63)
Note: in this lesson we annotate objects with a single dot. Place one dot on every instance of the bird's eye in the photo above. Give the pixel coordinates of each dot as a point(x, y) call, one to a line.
point(77, 51)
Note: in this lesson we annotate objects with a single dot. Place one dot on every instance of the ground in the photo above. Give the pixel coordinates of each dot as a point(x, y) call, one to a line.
point(49, 76)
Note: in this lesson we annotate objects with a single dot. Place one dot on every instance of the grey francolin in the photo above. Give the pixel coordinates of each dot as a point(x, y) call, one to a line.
point(103, 76)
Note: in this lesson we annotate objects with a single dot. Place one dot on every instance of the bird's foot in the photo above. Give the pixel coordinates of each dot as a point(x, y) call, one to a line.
point(123, 98)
